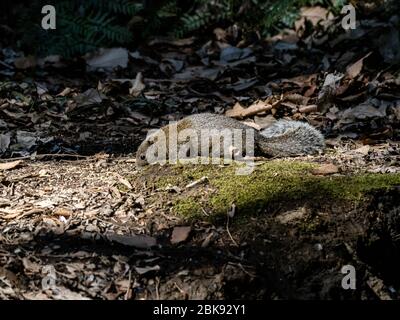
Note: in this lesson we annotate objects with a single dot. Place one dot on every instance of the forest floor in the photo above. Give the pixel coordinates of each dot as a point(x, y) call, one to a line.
point(91, 229)
point(79, 220)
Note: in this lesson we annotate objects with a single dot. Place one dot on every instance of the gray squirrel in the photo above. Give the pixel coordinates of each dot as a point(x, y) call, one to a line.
point(281, 139)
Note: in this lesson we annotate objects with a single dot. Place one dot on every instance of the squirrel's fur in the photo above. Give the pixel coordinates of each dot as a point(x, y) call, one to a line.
point(282, 138)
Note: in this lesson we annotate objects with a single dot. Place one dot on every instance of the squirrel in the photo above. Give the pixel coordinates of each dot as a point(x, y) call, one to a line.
point(281, 139)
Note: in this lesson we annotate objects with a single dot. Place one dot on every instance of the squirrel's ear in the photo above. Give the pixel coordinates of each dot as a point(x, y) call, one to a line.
point(152, 139)
point(151, 136)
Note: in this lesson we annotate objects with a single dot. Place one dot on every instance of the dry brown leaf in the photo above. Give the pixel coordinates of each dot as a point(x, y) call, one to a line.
point(10, 165)
point(20, 213)
point(31, 266)
point(65, 92)
point(137, 85)
point(220, 34)
point(125, 182)
point(236, 111)
point(308, 109)
point(354, 70)
point(315, 14)
point(325, 169)
point(138, 241)
point(363, 150)
point(258, 107)
point(180, 234)
point(63, 212)
point(296, 98)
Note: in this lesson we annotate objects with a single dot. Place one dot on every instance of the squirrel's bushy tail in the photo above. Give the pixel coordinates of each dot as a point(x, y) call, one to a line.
point(291, 138)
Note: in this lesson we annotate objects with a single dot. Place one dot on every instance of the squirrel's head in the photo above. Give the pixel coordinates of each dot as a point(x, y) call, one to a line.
point(142, 152)
point(141, 159)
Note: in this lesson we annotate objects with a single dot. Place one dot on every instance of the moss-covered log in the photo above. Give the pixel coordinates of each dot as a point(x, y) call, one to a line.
point(271, 184)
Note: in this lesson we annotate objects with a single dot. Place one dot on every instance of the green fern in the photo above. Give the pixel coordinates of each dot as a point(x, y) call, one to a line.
point(204, 14)
point(118, 6)
point(83, 26)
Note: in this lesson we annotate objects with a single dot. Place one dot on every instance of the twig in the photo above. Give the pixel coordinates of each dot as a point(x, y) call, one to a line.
point(308, 109)
point(128, 291)
point(229, 233)
point(21, 214)
point(180, 289)
point(195, 183)
point(157, 286)
point(40, 156)
point(6, 65)
point(252, 275)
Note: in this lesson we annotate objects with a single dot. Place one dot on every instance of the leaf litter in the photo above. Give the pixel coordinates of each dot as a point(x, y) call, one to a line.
point(85, 223)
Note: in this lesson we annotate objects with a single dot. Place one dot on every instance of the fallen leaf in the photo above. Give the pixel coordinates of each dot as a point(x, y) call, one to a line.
point(314, 14)
point(90, 96)
point(125, 182)
point(143, 270)
point(363, 150)
point(137, 85)
point(21, 213)
point(180, 234)
point(107, 58)
point(63, 212)
point(328, 91)
point(296, 98)
point(231, 53)
point(363, 111)
point(354, 70)
point(65, 92)
point(259, 106)
point(236, 111)
point(137, 241)
point(325, 169)
point(10, 165)
point(31, 266)
point(308, 109)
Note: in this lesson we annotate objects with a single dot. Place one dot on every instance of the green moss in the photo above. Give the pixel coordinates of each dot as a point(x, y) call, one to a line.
point(187, 206)
point(270, 184)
